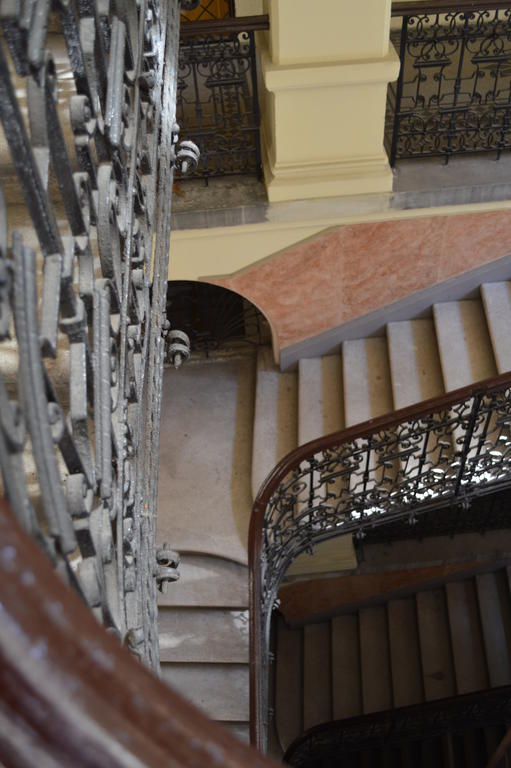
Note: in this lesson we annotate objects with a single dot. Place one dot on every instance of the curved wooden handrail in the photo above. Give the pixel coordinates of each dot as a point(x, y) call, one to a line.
point(72, 696)
point(277, 475)
point(402, 724)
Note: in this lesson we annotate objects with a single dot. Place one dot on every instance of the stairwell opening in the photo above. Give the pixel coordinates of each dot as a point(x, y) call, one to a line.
point(216, 319)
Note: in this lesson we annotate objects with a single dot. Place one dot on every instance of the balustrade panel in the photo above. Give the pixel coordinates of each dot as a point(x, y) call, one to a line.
point(88, 145)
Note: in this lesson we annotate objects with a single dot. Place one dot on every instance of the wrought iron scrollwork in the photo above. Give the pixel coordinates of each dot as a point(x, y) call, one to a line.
point(87, 106)
point(452, 96)
point(410, 464)
point(401, 726)
point(217, 96)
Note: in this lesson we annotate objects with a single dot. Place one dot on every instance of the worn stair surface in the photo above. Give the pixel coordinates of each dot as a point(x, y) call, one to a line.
point(226, 423)
point(203, 632)
point(204, 511)
point(434, 644)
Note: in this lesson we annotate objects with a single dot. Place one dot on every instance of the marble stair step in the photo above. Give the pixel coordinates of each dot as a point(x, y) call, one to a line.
point(466, 637)
point(204, 493)
point(416, 376)
point(497, 306)
point(219, 690)
point(317, 675)
point(367, 385)
point(464, 343)
point(435, 645)
point(346, 676)
point(495, 610)
point(275, 419)
point(465, 352)
point(414, 362)
point(320, 397)
point(375, 659)
point(203, 635)
point(208, 581)
point(367, 394)
point(404, 652)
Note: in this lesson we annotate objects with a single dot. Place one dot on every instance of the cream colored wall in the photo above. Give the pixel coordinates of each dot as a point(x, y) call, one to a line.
point(325, 71)
point(249, 7)
point(328, 30)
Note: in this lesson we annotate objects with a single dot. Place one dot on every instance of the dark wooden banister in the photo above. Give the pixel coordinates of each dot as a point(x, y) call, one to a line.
point(72, 696)
point(445, 6)
point(222, 26)
point(277, 475)
point(404, 724)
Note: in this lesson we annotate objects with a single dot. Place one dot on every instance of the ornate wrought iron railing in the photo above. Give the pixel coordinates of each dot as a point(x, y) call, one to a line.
point(404, 726)
point(453, 95)
point(217, 100)
point(87, 107)
point(418, 459)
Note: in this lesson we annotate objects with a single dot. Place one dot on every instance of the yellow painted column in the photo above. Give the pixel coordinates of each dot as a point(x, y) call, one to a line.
point(325, 69)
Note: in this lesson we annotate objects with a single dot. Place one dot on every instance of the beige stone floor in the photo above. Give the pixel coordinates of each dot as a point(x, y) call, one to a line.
point(205, 499)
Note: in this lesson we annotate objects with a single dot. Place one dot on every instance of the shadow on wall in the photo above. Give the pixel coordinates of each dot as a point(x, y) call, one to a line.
point(215, 317)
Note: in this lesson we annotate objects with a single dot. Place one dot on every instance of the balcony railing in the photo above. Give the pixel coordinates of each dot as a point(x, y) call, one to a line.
point(422, 458)
point(453, 95)
point(217, 98)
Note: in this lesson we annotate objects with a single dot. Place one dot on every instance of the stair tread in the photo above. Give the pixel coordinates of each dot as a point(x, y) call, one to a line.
point(320, 397)
point(317, 679)
point(375, 660)
point(275, 418)
point(414, 362)
point(366, 374)
point(203, 635)
point(494, 606)
point(346, 680)
point(220, 690)
point(288, 683)
point(437, 667)
point(497, 305)
point(404, 652)
point(208, 581)
point(204, 493)
point(464, 343)
point(466, 637)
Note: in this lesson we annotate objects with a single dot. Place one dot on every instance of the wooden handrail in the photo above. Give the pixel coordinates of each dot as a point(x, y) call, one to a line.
point(71, 695)
point(238, 24)
point(408, 723)
point(446, 6)
point(293, 460)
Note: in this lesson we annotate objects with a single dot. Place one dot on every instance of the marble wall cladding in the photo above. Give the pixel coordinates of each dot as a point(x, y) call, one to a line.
point(348, 271)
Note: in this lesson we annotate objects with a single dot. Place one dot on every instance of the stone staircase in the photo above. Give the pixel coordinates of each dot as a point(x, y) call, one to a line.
point(434, 644)
point(460, 343)
point(226, 422)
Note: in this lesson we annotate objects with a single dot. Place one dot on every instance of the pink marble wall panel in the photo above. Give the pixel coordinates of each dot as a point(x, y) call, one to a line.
point(348, 271)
